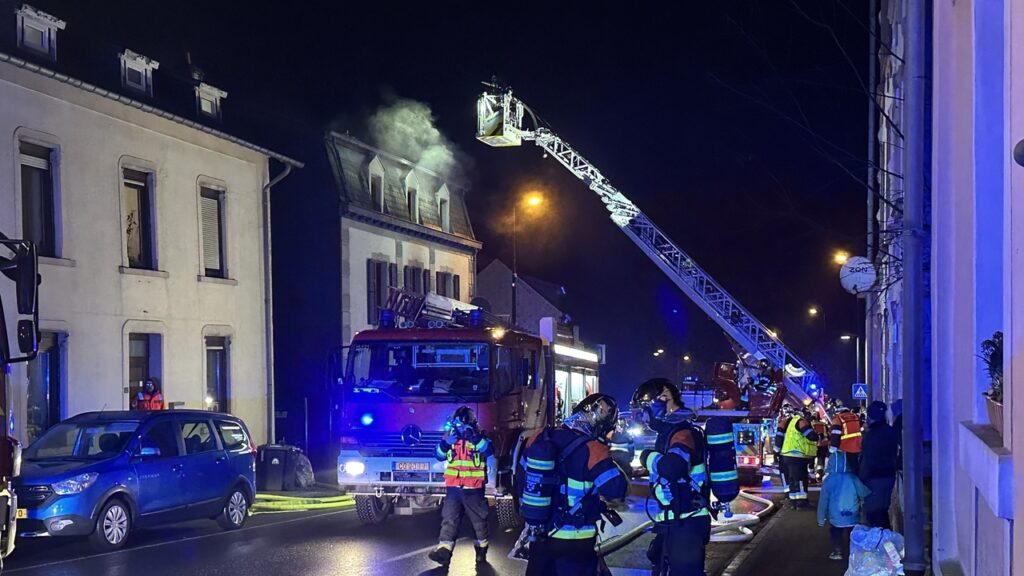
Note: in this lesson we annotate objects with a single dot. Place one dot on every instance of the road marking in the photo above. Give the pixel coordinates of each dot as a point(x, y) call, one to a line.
point(419, 552)
point(187, 539)
point(741, 557)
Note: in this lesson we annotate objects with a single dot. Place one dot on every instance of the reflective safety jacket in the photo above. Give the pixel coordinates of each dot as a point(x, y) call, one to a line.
point(154, 401)
point(846, 433)
point(589, 474)
point(798, 438)
point(467, 461)
point(679, 476)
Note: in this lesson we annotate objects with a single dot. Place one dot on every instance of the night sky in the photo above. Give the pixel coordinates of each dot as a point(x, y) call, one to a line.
point(739, 127)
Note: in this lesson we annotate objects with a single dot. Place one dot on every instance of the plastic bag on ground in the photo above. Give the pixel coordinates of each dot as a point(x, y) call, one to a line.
point(875, 552)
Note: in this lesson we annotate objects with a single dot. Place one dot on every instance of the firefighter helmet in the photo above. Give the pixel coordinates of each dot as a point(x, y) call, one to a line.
point(595, 415)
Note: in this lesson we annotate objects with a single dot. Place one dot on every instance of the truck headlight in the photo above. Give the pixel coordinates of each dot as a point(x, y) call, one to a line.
point(354, 468)
point(75, 485)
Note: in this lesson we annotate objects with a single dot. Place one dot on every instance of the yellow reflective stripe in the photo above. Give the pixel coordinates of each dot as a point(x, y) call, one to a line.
point(853, 435)
point(530, 500)
point(574, 533)
point(579, 485)
point(724, 476)
point(665, 515)
point(720, 438)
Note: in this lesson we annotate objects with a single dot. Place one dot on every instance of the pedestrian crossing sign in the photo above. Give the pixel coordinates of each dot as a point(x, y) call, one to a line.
point(860, 391)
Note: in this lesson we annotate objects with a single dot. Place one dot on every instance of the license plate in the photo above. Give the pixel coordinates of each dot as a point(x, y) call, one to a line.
point(22, 513)
point(412, 467)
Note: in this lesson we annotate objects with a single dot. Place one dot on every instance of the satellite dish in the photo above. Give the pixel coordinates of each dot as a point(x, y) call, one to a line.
point(858, 275)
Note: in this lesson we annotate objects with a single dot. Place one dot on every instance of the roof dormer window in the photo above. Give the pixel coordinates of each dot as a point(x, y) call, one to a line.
point(208, 100)
point(412, 197)
point(137, 72)
point(376, 184)
point(37, 31)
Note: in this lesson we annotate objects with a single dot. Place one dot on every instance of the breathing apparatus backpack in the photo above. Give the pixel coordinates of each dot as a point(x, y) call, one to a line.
point(544, 478)
point(715, 446)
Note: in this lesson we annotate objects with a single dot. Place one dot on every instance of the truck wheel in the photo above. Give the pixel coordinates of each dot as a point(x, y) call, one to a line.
point(509, 519)
point(372, 510)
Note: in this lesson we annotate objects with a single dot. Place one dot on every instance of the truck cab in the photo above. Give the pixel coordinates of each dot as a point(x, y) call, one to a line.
point(400, 388)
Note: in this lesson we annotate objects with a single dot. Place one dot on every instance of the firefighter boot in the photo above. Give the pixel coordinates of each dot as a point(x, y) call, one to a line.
point(481, 554)
point(442, 555)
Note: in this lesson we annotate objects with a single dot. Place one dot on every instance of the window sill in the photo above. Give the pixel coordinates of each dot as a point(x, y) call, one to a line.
point(142, 272)
point(215, 280)
point(989, 465)
point(50, 261)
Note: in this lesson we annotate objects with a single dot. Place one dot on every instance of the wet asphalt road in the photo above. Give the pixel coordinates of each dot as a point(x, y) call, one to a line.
point(306, 543)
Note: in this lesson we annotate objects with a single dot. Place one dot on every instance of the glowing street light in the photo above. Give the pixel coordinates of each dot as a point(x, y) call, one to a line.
point(840, 257)
point(813, 311)
point(846, 337)
point(661, 351)
point(686, 358)
point(534, 199)
point(531, 200)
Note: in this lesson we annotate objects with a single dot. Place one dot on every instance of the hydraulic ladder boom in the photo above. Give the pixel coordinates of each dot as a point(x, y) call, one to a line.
point(500, 123)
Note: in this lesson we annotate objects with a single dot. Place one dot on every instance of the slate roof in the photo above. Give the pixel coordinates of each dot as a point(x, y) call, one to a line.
point(350, 161)
point(94, 65)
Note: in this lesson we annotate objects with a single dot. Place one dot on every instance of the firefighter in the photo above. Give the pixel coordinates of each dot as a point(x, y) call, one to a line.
point(150, 397)
point(621, 446)
point(846, 436)
point(587, 475)
point(465, 475)
point(797, 443)
point(821, 429)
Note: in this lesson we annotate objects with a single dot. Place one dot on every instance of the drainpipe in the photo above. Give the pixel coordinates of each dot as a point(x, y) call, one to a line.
point(268, 301)
point(873, 115)
point(913, 285)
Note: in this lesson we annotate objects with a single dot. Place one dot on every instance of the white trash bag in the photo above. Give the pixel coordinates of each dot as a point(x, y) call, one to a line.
point(875, 552)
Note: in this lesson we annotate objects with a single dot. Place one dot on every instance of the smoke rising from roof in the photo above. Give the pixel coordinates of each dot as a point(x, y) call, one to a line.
point(407, 128)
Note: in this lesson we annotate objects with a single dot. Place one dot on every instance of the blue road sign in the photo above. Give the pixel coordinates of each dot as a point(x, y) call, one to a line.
point(860, 391)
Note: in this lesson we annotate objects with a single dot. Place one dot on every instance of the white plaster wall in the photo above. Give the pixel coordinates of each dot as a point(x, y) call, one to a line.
point(1013, 257)
point(362, 241)
point(85, 295)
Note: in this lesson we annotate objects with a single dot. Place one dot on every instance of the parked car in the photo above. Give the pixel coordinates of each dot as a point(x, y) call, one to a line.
point(104, 474)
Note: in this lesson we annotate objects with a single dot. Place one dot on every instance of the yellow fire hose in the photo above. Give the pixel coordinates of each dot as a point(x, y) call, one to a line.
point(277, 503)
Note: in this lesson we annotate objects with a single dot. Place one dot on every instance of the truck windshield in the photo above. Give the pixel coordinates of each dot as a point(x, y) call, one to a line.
point(82, 440)
point(441, 371)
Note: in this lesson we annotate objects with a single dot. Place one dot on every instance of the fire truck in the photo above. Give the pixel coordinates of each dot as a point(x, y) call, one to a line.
point(403, 380)
point(505, 121)
point(19, 264)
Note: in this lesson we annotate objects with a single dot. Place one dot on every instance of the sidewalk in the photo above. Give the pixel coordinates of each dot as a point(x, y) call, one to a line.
point(792, 544)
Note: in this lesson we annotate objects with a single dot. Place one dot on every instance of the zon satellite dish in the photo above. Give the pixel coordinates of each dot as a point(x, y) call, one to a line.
point(858, 275)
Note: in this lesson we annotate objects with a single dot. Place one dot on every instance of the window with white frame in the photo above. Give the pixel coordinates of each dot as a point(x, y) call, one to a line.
point(208, 100)
point(38, 197)
point(137, 211)
point(137, 72)
point(217, 374)
point(37, 31)
point(211, 222)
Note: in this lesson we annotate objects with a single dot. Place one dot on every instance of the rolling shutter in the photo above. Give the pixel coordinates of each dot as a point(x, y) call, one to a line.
point(209, 208)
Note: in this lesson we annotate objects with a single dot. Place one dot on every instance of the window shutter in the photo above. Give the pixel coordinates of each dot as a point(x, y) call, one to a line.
point(426, 281)
point(371, 291)
point(406, 278)
point(393, 276)
point(210, 214)
point(439, 280)
point(455, 287)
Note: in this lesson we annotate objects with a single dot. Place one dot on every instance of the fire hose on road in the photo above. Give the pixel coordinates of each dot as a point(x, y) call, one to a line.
point(266, 503)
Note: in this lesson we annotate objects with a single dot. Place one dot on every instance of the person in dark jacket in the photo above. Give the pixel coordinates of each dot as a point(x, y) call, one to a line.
point(878, 465)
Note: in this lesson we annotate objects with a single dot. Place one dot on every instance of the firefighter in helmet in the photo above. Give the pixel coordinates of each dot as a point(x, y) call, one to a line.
point(465, 449)
point(565, 540)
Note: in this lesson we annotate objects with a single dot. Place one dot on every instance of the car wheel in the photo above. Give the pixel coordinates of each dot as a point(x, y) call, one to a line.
point(235, 512)
point(113, 525)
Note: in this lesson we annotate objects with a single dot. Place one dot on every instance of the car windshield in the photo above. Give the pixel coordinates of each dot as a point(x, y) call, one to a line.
point(440, 371)
point(82, 440)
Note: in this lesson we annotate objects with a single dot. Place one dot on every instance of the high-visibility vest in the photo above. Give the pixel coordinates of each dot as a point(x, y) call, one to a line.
point(796, 444)
point(154, 401)
point(466, 468)
point(822, 431)
point(850, 439)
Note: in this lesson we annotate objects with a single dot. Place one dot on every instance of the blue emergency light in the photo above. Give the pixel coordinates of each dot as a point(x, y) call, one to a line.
point(367, 419)
point(387, 318)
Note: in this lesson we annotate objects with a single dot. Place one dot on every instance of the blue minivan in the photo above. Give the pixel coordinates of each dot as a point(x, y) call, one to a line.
point(104, 474)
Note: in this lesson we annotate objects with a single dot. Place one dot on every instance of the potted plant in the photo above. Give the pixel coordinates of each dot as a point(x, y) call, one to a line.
point(992, 356)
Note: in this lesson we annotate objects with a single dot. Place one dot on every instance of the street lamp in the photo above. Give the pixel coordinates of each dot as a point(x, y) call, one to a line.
point(531, 200)
point(813, 311)
point(840, 257)
point(856, 345)
point(686, 358)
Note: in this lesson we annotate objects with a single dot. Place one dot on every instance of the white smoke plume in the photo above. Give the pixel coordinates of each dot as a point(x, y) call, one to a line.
point(406, 128)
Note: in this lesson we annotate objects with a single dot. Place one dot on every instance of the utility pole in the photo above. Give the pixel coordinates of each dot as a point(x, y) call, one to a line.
point(913, 287)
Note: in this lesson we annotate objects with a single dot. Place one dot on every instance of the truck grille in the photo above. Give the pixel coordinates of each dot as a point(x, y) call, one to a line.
point(33, 496)
point(399, 444)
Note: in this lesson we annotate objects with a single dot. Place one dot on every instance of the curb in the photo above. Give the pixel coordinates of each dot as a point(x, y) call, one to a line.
point(734, 567)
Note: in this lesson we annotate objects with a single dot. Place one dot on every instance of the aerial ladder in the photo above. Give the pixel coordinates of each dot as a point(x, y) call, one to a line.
point(500, 124)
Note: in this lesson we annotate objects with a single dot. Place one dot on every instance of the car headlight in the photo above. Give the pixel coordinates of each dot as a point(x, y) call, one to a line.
point(354, 468)
point(75, 485)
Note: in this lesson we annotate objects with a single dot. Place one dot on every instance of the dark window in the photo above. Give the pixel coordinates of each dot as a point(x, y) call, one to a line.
point(45, 389)
point(197, 437)
point(414, 279)
point(446, 284)
point(233, 436)
point(164, 436)
point(211, 208)
point(138, 220)
point(414, 210)
point(217, 374)
point(144, 361)
point(377, 191)
point(38, 202)
point(378, 281)
point(426, 281)
point(456, 289)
